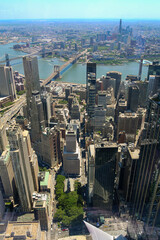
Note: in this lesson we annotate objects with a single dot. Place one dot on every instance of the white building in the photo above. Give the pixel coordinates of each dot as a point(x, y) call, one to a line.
point(71, 154)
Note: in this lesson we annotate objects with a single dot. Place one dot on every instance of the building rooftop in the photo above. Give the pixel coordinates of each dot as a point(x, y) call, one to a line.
point(27, 217)
point(128, 115)
point(106, 144)
point(5, 156)
point(92, 150)
point(134, 153)
point(74, 238)
point(44, 182)
point(21, 230)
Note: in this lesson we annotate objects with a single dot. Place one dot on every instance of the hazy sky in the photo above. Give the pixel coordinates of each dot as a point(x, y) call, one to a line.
point(43, 9)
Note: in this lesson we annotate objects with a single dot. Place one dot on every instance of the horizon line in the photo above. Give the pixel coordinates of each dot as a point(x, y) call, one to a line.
point(45, 19)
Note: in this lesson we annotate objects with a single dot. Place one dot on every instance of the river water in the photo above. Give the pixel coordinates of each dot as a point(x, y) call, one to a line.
point(75, 74)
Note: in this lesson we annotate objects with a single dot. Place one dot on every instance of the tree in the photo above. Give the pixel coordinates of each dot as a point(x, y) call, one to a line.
point(66, 221)
point(59, 215)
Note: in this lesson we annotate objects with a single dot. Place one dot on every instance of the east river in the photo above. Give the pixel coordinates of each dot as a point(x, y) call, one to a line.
point(75, 74)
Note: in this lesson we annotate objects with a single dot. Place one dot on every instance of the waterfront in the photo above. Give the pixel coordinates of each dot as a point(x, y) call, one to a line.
point(77, 73)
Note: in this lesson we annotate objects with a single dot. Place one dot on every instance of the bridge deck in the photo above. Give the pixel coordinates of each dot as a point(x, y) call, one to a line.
point(54, 74)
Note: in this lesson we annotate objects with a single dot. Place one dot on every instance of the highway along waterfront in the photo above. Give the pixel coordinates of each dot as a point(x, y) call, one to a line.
point(76, 73)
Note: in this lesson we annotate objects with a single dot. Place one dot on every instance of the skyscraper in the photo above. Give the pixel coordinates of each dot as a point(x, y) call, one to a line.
point(3, 139)
point(102, 167)
point(20, 149)
point(120, 26)
point(2, 206)
point(90, 88)
point(7, 84)
point(154, 69)
point(91, 68)
point(71, 154)
point(46, 102)
point(31, 72)
point(37, 116)
point(117, 76)
point(7, 181)
point(153, 85)
point(50, 146)
point(133, 98)
point(146, 188)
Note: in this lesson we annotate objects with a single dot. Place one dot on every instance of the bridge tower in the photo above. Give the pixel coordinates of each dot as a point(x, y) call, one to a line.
point(7, 60)
point(57, 70)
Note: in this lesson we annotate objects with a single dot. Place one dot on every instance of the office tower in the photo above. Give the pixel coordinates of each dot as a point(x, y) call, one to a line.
point(50, 146)
point(145, 195)
point(20, 148)
point(120, 26)
point(101, 37)
point(140, 69)
point(90, 88)
point(7, 60)
point(75, 111)
point(3, 139)
point(31, 72)
point(75, 124)
point(99, 117)
point(133, 98)
point(37, 116)
point(154, 69)
point(95, 48)
point(102, 174)
point(153, 85)
point(122, 105)
point(91, 41)
point(41, 209)
point(76, 47)
point(7, 84)
point(2, 206)
point(91, 99)
point(71, 154)
point(117, 76)
point(108, 82)
point(70, 100)
point(34, 169)
point(91, 172)
point(46, 102)
point(143, 90)
point(128, 123)
point(32, 159)
point(91, 68)
point(128, 172)
point(23, 230)
point(99, 85)
point(7, 179)
point(102, 101)
point(7, 182)
point(67, 92)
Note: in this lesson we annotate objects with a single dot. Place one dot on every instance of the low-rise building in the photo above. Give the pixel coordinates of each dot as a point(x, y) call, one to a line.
point(41, 203)
point(45, 181)
point(21, 230)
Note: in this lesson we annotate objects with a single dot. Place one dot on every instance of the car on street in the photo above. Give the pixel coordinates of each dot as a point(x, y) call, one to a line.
point(64, 229)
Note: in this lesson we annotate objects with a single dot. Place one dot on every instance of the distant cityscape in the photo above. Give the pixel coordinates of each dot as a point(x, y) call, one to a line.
point(80, 160)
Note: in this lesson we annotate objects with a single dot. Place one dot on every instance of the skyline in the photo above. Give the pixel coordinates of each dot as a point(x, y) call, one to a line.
point(79, 9)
